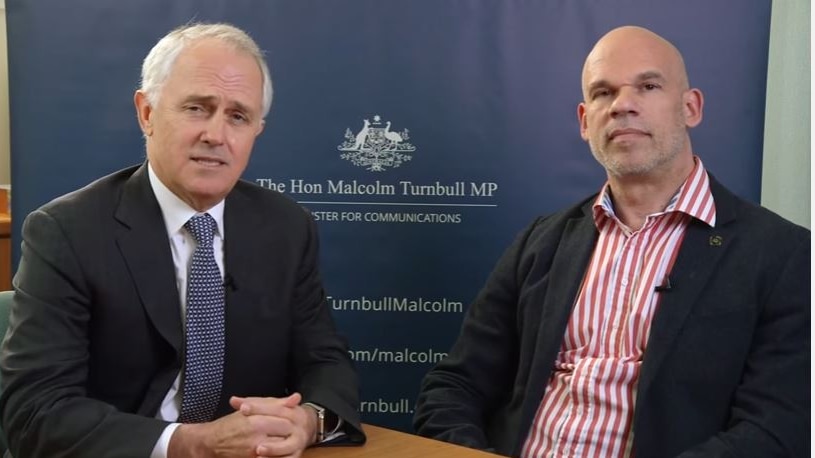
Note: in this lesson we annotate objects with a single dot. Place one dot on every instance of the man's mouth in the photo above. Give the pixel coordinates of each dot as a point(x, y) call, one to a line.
point(208, 161)
point(626, 132)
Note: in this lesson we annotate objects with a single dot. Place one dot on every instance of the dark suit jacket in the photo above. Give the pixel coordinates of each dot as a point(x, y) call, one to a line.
point(95, 339)
point(726, 367)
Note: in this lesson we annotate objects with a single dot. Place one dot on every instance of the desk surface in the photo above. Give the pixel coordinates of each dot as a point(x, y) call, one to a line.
point(387, 443)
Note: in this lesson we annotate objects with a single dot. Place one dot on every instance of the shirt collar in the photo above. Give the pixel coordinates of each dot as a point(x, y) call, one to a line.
point(693, 198)
point(175, 211)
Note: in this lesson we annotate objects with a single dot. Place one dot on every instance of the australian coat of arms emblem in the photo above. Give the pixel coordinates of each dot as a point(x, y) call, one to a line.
point(376, 147)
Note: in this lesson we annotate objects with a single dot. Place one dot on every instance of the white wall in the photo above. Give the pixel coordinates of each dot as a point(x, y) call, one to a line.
point(785, 186)
point(786, 175)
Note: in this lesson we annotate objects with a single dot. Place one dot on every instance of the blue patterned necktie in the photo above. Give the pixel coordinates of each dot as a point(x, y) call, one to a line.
point(204, 356)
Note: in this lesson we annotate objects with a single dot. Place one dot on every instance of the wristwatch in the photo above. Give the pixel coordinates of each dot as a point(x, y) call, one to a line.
point(320, 421)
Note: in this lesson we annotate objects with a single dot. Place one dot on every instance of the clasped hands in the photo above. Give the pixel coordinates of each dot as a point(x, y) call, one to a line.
point(259, 427)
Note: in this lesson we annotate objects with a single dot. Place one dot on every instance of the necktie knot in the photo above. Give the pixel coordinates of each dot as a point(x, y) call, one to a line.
point(202, 227)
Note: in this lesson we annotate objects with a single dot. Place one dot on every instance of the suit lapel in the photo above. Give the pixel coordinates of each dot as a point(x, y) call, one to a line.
point(142, 240)
point(240, 252)
point(702, 249)
point(566, 274)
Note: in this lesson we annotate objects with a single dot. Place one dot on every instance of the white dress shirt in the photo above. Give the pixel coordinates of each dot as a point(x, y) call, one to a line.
point(176, 213)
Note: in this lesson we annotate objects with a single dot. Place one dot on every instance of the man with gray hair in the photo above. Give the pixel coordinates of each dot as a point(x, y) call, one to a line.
point(170, 309)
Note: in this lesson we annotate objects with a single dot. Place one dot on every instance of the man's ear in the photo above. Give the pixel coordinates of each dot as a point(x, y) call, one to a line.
point(581, 118)
point(144, 112)
point(692, 103)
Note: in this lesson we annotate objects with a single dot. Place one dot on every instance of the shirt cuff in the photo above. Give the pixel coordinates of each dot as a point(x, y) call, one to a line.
point(163, 443)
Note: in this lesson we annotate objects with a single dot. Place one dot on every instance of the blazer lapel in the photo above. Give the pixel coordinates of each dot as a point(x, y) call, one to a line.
point(142, 240)
point(240, 255)
point(702, 249)
point(566, 274)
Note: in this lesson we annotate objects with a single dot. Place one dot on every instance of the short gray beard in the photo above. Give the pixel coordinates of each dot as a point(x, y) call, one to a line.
point(674, 144)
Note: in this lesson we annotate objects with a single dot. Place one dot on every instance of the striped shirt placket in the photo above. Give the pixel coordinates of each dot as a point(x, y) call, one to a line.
point(587, 409)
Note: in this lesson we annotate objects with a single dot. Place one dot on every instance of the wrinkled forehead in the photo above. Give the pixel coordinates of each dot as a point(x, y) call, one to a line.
point(213, 64)
point(214, 50)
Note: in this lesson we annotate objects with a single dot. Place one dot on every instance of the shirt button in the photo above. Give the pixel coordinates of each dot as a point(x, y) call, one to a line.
point(624, 282)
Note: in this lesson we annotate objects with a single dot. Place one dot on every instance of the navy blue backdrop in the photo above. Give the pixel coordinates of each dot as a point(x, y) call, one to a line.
point(481, 99)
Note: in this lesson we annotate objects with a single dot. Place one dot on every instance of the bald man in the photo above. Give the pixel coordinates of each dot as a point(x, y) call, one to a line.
point(663, 316)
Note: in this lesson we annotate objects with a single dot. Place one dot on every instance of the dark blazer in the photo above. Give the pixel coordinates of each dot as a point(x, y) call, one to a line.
point(726, 367)
point(95, 339)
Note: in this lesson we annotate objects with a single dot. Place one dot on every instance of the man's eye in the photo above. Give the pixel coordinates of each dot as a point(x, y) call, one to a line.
point(650, 86)
point(601, 93)
point(237, 117)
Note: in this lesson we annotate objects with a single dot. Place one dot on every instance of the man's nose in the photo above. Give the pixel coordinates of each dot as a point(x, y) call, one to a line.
point(215, 130)
point(626, 102)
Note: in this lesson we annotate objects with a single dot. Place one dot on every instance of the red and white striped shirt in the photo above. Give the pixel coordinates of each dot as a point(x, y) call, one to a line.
point(588, 407)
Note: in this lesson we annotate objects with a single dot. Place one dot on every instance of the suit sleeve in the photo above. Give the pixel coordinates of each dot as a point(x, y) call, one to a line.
point(322, 369)
point(770, 409)
point(44, 406)
point(459, 394)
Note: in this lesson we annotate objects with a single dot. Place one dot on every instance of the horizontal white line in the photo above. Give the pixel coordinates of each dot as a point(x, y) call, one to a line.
point(400, 204)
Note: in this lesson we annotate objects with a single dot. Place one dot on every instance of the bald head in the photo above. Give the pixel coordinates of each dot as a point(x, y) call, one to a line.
point(639, 46)
point(637, 107)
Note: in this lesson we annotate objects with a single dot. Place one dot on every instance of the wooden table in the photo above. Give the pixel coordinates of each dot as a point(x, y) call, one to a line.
point(387, 443)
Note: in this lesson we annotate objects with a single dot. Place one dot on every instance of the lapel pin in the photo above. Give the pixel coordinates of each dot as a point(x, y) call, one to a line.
point(715, 240)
